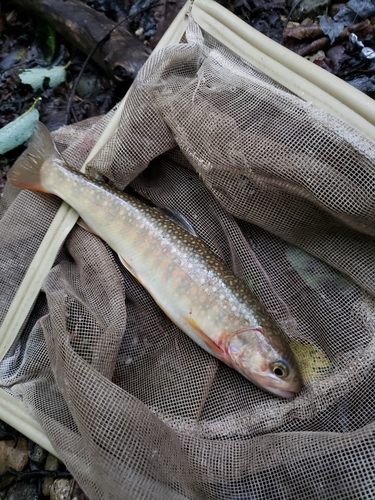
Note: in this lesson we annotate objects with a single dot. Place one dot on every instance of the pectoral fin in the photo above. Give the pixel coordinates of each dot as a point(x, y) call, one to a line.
point(206, 339)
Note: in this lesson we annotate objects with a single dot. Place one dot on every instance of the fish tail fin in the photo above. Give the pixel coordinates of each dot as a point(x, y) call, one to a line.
point(26, 173)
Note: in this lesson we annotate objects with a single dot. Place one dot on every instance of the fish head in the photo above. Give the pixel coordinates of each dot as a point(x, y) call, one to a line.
point(266, 360)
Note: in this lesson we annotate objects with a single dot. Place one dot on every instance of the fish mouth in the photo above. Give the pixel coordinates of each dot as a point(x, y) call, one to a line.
point(294, 388)
point(281, 393)
point(274, 388)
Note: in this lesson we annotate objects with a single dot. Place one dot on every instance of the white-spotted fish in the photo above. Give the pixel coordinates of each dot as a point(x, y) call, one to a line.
point(190, 284)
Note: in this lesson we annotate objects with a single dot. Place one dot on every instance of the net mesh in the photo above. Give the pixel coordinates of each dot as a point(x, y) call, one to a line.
point(283, 193)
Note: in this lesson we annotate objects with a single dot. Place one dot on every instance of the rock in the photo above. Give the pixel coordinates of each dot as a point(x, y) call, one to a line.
point(319, 56)
point(16, 458)
point(307, 22)
point(38, 454)
point(61, 489)
point(47, 485)
point(309, 8)
point(86, 84)
point(6, 480)
point(292, 24)
point(52, 463)
point(77, 493)
point(24, 490)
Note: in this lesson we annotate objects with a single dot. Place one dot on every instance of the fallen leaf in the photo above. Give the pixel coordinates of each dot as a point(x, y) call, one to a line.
point(311, 360)
point(36, 76)
point(330, 27)
point(364, 8)
point(19, 130)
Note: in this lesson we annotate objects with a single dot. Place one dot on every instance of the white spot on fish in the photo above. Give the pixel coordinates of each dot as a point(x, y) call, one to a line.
point(121, 212)
point(202, 281)
point(221, 297)
point(190, 265)
point(234, 308)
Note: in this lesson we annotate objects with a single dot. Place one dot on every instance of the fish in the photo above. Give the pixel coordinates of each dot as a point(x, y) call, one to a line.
point(194, 287)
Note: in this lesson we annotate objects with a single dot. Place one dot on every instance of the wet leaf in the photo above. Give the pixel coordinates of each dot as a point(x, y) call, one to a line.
point(364, 8)
point(19, 130)
point(345, 15)
point(311, 360)
point(330, 27)
point(36, 76)
point(364, 83)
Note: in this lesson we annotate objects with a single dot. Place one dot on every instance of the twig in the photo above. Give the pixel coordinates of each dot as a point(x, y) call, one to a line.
point(314, 46)
point(92, 52)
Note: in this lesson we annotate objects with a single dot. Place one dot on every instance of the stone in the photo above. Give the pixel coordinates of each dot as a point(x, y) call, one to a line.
point(292, 24)
point(16, 458)
point(47, 485)
point(25, 490)
point(6, 480)
point(318, 56)
point(38, 454)
point(60, 489)
point(52, 463)
point(307, 22)
point(309, 8)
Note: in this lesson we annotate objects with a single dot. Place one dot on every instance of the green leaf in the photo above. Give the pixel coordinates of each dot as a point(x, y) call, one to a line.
point(47, 41)
point(36, 76)
point(311, 360)
point(19, 130)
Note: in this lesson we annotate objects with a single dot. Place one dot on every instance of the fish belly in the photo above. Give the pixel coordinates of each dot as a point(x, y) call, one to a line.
point(146, 248)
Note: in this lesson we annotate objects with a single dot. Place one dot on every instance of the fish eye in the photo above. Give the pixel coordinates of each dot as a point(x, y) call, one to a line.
point(280, 369)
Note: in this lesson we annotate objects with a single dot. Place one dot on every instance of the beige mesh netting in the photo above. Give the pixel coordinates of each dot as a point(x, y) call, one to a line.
point(284, 194)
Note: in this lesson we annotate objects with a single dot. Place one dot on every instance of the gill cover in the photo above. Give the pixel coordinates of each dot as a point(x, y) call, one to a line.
point(269, 367)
